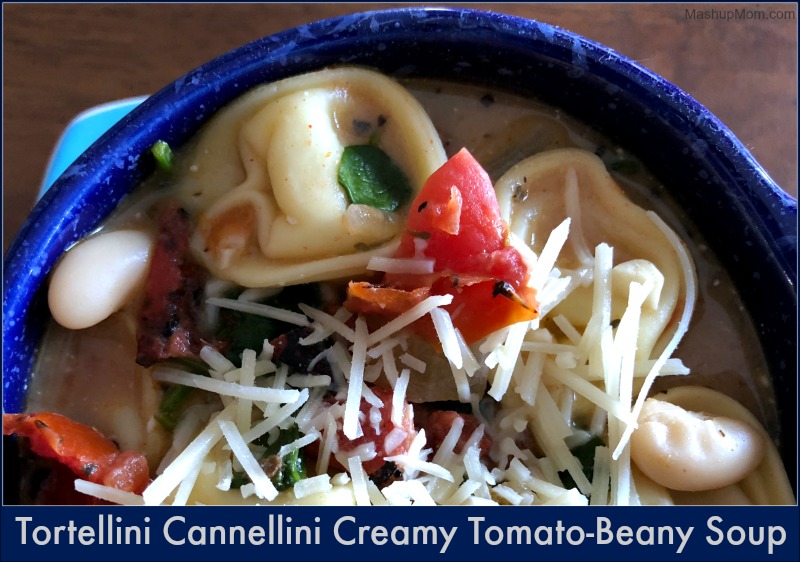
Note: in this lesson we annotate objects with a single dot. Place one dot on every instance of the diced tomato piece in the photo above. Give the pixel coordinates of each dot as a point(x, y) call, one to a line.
point(479, 309)
point(83, 449)
point(376, 435)
point(438, 423)
point(365, 298)
point(456, 221)
point(172, 294)
point(461, 191)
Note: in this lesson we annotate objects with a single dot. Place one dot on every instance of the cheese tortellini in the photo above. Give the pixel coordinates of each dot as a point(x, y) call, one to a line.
point(538, 193)
point(263, 177)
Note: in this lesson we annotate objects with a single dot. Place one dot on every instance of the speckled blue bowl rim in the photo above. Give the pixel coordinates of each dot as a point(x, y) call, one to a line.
point(90, 189)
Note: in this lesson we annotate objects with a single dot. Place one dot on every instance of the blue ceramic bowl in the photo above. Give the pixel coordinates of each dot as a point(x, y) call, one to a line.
point(745, 217)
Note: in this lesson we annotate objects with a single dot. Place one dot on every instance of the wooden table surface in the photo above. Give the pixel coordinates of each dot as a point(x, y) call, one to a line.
point(60, 59)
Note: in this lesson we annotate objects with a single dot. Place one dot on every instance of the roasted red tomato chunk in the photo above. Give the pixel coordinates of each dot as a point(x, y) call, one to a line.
point(81, 448)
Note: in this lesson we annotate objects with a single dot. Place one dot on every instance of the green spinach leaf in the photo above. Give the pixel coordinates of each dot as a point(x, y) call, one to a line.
point(175, 397)
point(248, 331)
point(585, 454)
point(292, 468)
point(370, 177)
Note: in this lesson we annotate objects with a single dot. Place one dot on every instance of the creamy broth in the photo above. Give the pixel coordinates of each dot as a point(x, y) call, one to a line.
point(91, 375)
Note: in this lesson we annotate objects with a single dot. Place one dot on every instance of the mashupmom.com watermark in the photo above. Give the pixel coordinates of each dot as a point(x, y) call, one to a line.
point(738, 14)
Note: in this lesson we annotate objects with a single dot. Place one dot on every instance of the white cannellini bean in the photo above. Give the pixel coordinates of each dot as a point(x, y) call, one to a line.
point(691, 451)
point(97, 277)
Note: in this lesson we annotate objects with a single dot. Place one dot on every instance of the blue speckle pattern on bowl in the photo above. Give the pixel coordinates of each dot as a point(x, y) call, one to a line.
point(747, 219)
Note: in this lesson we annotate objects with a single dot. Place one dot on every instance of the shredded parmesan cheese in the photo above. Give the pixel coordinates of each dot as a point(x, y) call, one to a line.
point(572, 198)
point(447, 336)
point(297, 444)
point(687, 266)
point(255, 393)
point(332, 324)
point(393, 439)
point(359, 481)
point(507, 357)
point(260, 310)
point(549, 254)
point(401, 265)
point(328, 444)
point(263, 485)
point(313, 485)
point(193, 454)
point(108, 493)
point(411, 315)
point(399, 397)
point(413, 362)
point(216, 360)
point(352, 406)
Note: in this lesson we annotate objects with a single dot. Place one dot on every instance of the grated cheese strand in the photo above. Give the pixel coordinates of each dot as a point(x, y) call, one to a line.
point(244, 408)
point(600, 477)
point(589, 391)
point(401, 265)
point(601, 302)
point(313, 485)
point(507, 358)
point(543, 418)
point(260, 310)
point(298, 444)
point(389, 367)
point(408, 317)
point(447, 336)
point(255, 393)
point(193, 454)
point(399, 397)
point(573, 204)
point(471, 364)
point(411, 463)
point(332, 323)
point(690, 279)
point(264, 486)
point(353, 403)
point(308, 381)
point(393, 439)
point(386, 345)
point(187, 485)
point(328, 444)
point(413, 362)
point(467, 488)
point(444, 455)
point(623, 352)
point(549, 254)
point(359, 481)
point(107, 493)
point(567, 328)
point(215, 360)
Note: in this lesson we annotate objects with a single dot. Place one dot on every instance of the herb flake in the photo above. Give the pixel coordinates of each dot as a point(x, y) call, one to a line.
point(162, 152)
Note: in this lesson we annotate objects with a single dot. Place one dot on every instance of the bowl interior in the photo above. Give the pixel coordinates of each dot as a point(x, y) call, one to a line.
point(746, 219)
